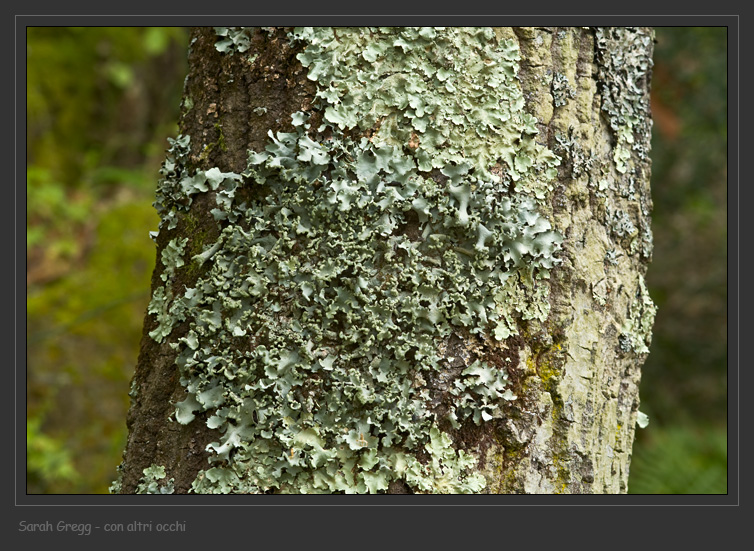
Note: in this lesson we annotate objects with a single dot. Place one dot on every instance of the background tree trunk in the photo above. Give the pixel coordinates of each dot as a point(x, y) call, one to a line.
point(485, 329)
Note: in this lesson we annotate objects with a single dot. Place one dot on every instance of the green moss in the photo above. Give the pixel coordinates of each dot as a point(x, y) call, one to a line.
point(546, 362)
point(560, 456)
point(550, 377)
point(547, 375)
point(199, 238)
point(503, 472)
point(210, 147)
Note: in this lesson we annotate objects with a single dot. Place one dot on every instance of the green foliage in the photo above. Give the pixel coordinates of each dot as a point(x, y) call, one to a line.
point(54, 215)
point(680, 460)
point(76, 81)
point(684, 380)
point(685, 376)
point(99, 104)
point(90, 118)
point(49, 464)
point(83, 339)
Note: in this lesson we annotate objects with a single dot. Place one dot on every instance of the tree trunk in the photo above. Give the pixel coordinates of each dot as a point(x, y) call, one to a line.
point(399, 260)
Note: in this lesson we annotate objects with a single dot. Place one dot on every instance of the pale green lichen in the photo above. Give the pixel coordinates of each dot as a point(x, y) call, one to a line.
point(153, 481)
point(453, 92)
point(581, 161)
point(642, 420)
point(561, 90)
point(600, 292)
point(117, 485)
point(611, 257)
point(234, 39)
point(636, 333)
point(172, 257)
point(315, 333)
point(624, 61)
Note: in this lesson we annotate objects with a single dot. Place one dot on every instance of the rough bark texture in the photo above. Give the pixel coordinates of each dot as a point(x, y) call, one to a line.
point(223, 92)
point(575, 372)
point(583, 385)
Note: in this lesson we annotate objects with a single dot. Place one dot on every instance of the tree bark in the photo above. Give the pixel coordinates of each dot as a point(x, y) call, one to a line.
point(399, 260)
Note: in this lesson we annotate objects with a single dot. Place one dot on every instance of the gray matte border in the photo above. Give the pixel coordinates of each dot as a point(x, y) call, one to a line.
point(193, 510)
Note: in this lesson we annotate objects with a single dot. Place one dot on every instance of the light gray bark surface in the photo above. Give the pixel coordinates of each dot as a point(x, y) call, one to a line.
point(578, 435)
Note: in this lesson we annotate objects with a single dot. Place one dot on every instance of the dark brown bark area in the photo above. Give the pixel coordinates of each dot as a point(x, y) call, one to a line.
point(242, 96)
point(224, 91)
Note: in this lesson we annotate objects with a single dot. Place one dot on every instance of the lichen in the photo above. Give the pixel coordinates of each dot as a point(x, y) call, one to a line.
point(568, 147)
point(642, 420)
point(117, 485)
point(561, 90)
point(636, 333)
point(315, 331)
point(624, 61)
point(153, 481)
point(234, 39)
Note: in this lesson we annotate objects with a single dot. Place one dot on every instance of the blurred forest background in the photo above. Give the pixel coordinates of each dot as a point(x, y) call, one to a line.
point(100, 104)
